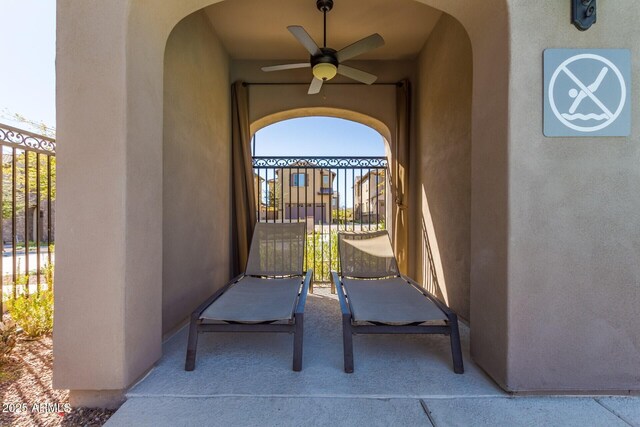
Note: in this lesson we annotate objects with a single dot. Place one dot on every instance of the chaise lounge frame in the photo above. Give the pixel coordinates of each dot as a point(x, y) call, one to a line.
point(350, 327)
point(295, 326)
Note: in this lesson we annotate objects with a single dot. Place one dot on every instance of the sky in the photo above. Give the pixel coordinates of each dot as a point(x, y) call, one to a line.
point(318, 136)
point(27, 48)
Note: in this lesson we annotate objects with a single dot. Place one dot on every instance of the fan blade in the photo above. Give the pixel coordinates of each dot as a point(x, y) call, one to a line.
point(286, 67)
point(316, 85)
point(305, 39)
point(360, 47)
point(359, 75)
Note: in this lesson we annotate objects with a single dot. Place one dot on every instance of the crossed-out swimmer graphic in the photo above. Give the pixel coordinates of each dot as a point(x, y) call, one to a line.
point(580, 96)
point(602, 115)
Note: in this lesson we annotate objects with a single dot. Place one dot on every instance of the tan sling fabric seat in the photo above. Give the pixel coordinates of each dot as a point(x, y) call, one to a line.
point(255, 299)
point(367, 255)
point(392, 301)
point(376, 299)
point(277, 250)
point(269, 297)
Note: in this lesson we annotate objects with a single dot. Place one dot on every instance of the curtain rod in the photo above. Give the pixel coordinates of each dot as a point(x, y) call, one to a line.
point(398, 84)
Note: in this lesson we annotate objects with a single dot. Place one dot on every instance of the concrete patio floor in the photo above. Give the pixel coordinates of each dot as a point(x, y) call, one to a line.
point(246, 379)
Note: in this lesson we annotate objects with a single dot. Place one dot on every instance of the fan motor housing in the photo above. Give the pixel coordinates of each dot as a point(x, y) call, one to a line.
point(328, 55)
point(324, 5)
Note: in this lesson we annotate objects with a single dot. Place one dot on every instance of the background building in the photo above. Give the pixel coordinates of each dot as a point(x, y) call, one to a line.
point(369, 198)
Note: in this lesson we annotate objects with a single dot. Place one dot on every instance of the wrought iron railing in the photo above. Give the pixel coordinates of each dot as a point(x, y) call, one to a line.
point(330, 193)
point(27, 197)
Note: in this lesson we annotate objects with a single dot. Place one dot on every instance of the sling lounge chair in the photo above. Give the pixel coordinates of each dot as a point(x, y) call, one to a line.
point(269, 297)
point(376, 299)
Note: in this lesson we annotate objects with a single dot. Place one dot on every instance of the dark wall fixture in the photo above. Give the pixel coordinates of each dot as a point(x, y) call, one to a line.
point(583, 13)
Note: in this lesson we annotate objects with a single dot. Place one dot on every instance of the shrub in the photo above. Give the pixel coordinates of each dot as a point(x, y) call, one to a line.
point(8, 333)
point(321, 248)
point(34, 313)
point(48, 275)
point(22, 280)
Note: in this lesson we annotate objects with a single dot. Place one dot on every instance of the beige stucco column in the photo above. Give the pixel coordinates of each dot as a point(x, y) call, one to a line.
point(106, 303)
point(574, 220)
point(81, 308)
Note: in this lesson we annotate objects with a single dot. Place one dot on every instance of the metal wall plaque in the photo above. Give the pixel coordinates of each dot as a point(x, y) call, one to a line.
point(587, 92)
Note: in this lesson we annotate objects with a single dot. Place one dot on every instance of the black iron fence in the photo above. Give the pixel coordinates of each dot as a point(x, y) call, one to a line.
point(330, 193)
point(27, 197)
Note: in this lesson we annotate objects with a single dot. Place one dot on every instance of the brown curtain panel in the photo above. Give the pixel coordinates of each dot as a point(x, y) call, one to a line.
point(400, 170)
point(244, 203)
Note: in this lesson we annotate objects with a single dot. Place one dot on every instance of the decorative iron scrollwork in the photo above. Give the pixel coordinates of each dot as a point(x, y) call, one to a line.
point(320, 162)
point(19, 138)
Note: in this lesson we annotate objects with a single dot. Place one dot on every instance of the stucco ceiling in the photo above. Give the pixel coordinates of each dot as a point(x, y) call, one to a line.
point(257, 29)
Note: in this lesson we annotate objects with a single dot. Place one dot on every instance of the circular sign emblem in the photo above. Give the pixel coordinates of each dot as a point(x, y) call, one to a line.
point(604, 115)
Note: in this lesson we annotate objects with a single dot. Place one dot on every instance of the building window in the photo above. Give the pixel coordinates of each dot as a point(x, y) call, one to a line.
point(325, 181)
point(299, 180)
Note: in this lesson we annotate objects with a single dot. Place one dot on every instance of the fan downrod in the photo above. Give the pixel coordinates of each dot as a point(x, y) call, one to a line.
point(324, 5)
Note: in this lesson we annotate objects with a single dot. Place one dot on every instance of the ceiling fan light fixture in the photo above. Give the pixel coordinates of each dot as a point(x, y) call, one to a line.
point(325, 71)
point(326, 62)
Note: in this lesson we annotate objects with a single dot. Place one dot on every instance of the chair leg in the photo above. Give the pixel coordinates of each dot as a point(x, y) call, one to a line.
point(456, 349)
point(192, 345)
point(347, 342)
point(297, 342)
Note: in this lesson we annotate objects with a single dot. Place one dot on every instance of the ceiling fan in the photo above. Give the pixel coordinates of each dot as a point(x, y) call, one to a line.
point(326, 62)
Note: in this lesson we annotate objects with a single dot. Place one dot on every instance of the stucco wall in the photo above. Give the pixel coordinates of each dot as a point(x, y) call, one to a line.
point(574, 247)
point(441, 169)
point(196, 169)
point(91, 180)
point(377, 102)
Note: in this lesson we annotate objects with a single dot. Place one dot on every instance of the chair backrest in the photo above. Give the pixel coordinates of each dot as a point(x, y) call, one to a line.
point(366, 255)
point(277, 249)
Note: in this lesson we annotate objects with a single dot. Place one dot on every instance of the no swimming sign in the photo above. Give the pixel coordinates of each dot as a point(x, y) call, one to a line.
point(587, 92)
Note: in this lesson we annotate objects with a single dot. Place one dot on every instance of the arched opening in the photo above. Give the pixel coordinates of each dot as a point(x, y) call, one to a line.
point(152, 134)
point(439, 198)
point(354, 116)
point(330, 172)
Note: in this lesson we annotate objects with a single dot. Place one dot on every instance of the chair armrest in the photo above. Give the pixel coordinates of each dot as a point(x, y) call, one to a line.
point(202, 307)
point(344, 305)
point(302, 299)
point(429, 295)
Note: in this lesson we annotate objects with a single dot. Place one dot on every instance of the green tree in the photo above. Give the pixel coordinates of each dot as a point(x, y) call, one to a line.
point(28, 160)
point(273, 194)
point(38, 127)
point(342, 215)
